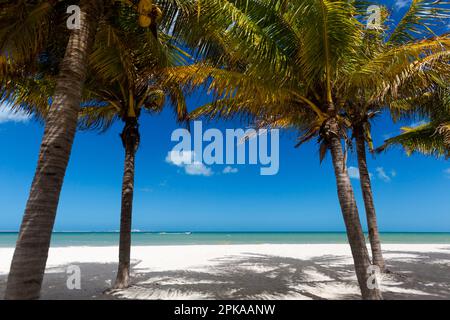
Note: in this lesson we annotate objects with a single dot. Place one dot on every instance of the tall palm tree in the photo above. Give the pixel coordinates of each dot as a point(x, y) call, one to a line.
point(295, 51)
point(31, 38)
point(305, 63)
point(30, 255)
point(123, 84)
point(20, 54)
point(367, 101)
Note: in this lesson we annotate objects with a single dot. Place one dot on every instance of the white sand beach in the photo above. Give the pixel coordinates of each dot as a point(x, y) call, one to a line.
point(266, 271)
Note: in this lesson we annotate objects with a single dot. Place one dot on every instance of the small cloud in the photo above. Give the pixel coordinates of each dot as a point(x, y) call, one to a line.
point(381, 173)
point(198, 169)
point(180, 158)
point(353, 173)
point(186, 160)
point(6, 115)
point(229, 169)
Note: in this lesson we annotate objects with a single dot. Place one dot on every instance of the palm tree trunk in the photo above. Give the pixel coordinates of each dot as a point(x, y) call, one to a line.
point(130, 139)
point(30, 256)
point(366, 187)
point(350, 213)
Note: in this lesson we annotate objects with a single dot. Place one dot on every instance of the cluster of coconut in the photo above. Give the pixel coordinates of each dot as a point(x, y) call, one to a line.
point(148, 13)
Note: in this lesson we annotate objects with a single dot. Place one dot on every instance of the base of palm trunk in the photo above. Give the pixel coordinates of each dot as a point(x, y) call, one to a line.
point(123, 279)
point(378, 261)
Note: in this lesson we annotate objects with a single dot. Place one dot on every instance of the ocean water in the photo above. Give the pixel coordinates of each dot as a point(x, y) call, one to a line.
point(64, 239)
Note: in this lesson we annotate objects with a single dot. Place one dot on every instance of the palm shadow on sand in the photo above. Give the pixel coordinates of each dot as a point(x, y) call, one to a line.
point(417, 275)
point(421, 276)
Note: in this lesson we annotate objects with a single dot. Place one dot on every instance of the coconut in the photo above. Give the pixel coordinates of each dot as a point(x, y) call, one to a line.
point(145, 6)
point(145, 21)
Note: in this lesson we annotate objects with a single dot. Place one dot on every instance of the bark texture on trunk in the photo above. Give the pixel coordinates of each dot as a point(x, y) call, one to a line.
point(350, 213)
point(130, 139)
point(366, 187)
point(30, 256)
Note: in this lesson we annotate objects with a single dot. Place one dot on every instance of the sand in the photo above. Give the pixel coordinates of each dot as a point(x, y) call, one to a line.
point(266, 271)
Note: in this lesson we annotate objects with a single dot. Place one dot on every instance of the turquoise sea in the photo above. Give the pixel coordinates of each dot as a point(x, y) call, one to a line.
point(64, 239)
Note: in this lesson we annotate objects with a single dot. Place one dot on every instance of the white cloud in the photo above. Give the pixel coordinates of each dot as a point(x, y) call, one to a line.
point(186, 160)
point(353, 173)
point(381, 173)
point(229, 169)
point(180, 158)
point(6, 115)
point(198, 169)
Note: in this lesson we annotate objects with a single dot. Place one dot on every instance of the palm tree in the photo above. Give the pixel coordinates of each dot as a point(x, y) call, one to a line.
point(366, 103)
point(123, 84)
point(30, 255)
point(305, 64)
point(295, 51)
point(31, 38)
point(433, 136)
point(35, 19)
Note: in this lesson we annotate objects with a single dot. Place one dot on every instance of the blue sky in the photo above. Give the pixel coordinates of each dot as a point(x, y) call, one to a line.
point(411, 193)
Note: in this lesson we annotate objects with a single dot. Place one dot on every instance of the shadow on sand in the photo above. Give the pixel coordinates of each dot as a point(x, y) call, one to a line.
point(416, 275)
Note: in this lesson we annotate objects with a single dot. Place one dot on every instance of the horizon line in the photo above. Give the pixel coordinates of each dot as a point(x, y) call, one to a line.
point(234, 231)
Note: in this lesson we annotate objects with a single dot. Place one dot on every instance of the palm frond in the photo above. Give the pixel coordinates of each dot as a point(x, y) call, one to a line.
point(418, 20)
point(424, 139)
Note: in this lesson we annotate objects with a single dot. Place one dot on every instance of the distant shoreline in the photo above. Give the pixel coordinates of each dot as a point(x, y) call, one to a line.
point(165, 238)
point(250, 232)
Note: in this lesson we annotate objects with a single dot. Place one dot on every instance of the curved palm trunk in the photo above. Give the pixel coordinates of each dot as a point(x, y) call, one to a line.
point(366, 187)
point(130, 139)
point(350, 213)
point(30, 256)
